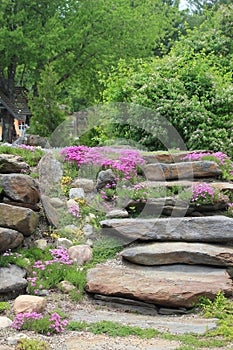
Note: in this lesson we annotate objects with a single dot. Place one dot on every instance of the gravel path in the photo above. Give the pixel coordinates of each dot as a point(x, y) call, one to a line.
point(89, 312)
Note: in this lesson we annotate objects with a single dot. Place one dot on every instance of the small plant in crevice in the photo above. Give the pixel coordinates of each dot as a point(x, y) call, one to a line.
point(32, 344)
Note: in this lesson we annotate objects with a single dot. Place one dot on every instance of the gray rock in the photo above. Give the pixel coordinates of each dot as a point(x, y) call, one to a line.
point(57, 202)
point(10, 163)
point(184, 170)
point(117, 213)
point(164, 253)
point(12, 282)
point(195, 229)
point(64, 242)
point(88, 230)
point(50, 212)
point(105, 177)
point(167, 311)
point(76, 193)
point(169, 286)
point(20, 219)
point(5, 322)
point(86, 184)
point(50, 173)
point(9, 239)
point(13, 340)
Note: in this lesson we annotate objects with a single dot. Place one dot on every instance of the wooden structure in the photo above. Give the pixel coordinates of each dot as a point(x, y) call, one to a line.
point(14, 114)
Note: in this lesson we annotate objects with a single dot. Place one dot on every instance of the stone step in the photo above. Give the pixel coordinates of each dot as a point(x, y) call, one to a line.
point(183, 170)
point(170, 286)
point(165, 253)
point(188, 229)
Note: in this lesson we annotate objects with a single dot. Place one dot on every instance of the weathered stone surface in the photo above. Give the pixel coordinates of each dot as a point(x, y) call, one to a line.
point(10, 163)
point(66, 286)
point(50, 212)
point(64, 242)
point(41, 243)
point(117, 213)
point(20, 188)
point(57, 202)
point(9, 239)
point(81, 253)
point(164, 253)
point(185, 170)
point(105, 177)
point(21, 219)
point(168, 206)
point(29, 303)
point(76, 193)
point(5, 322)
point(86, 184)
point(36, 140)
point(12, 282)
point(194, 229)
point(50, 171)
point(165, 157)
point(172, 286)
point(126, 305)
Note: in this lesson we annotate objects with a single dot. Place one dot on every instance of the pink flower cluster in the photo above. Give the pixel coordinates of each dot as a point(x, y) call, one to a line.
point(20, 319)
point(57, 325)
point(74, 210)
point(202, 193)
point(199, 155)
point(125, 161)
point(27, 147)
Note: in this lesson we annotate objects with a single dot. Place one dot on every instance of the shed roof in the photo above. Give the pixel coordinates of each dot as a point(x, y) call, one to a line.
point(18, 107)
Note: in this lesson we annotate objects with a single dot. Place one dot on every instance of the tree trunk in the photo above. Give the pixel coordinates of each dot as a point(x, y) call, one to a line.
point(7, 127)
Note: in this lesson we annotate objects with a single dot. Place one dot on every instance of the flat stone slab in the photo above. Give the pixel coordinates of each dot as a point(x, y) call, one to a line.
point(190, 229)
point(170, 286)
point(174, 324)
point(165, 253)
point(183, 170)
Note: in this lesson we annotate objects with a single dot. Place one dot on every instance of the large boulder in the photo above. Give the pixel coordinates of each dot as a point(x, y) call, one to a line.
point(183, 170)
point(164, 253)
point(20, 188)
point(10, 163)
point(9, 239)
point(196, 229)
point(172, 286)
point(20, 219)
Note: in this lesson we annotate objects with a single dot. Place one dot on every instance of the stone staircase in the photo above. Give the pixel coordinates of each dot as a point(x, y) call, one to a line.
point(177, 254)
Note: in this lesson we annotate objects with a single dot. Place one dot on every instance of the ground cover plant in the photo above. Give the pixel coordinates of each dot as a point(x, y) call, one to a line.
point(29, 154)
point(222, 159)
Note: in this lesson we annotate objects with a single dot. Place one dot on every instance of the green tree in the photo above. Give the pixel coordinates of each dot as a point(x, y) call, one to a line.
point(45, 109)
point(78, 38)
point(191, 87)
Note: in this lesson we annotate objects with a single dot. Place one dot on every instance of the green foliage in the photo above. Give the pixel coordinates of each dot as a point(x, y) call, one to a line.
point(191, 88)
point(32, 344)
point(221, 308)
point(32, 158)
point(4, 306)
point(45, 109)
point(112, 329)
